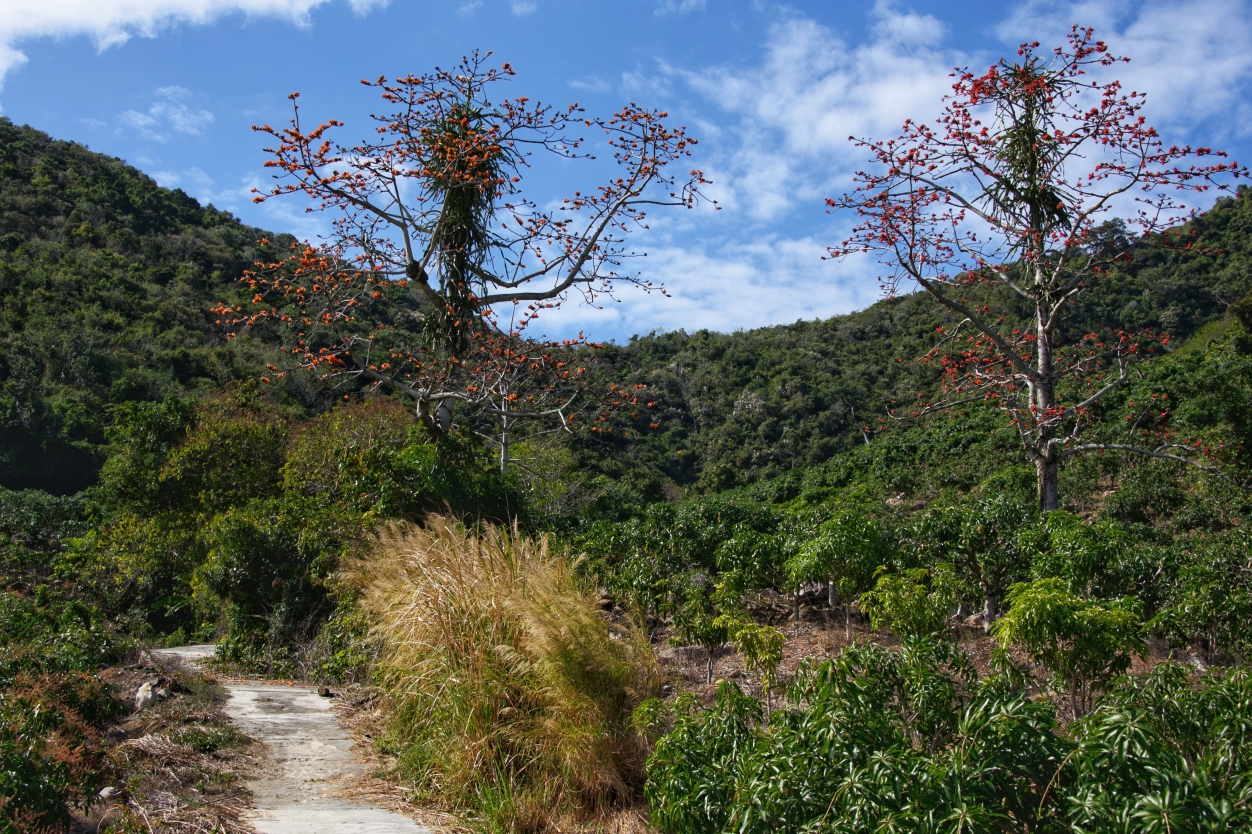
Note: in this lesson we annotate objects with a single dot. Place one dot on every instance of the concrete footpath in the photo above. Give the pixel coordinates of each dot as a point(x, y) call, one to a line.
point(309, 760)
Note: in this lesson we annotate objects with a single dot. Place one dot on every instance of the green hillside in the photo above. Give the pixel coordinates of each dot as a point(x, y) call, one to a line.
point(105, 284)
point(761, 402)
point(106, 280)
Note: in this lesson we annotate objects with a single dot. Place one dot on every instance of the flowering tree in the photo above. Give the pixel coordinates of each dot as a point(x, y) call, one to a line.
point(1018, 185)
point(438, 263)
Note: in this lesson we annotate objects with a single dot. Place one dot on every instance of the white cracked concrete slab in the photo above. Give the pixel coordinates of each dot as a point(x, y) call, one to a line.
point(310, 760)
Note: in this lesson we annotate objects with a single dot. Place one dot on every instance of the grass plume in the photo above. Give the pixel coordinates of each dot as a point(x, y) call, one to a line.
point(512, 693)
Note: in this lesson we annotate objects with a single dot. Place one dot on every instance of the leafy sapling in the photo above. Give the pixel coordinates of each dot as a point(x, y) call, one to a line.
point(1084, 644)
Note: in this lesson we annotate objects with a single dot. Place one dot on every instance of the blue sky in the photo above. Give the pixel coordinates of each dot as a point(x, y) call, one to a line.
point(772, 91)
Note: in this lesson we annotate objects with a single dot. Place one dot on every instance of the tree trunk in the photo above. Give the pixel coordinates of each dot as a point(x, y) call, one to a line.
point(795, 604)
point(847, 621)
point(438, 422)
point(709, 677)
point(831, 599)
point(504, 434)
point(1043, 400)
point(1048, 471)
point(989, 607)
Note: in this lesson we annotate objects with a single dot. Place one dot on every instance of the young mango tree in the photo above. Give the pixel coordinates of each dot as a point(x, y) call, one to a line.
point(915, 604)
point(1013, 187)
point(1085, 644)
point(438, 262)
point(697, 623)
point(760, 646)
point(847, 551)
point(992, 540)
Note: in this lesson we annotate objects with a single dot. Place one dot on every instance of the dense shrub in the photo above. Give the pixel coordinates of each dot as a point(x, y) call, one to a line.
point(43, 633)
point(34, 527)
point(270, 561)
point(876, 740)
point(50, 752)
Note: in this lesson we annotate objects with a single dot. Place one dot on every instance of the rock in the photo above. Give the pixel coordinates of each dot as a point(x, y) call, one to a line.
point(108, 792)
point(145, 697)
point(975, 621)
point(162, 693)
point(325, 692)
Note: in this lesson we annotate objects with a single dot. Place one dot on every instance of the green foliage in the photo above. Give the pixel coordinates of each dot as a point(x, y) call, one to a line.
point(691, 786)
point(270, 560)
point(33, 529)
point(1213, 599)
point(1091, 558)
point(1085, 644)
point(914, 604)
point(749, 560)
point(45, 633)
point(873, 740)
point(697, 622)
point(374, 459)
point(846, 554)
point(1162, 753)
point(877, 740)
point(343, 651)
point(760, 646)
point(647, 562)
point(991, 538)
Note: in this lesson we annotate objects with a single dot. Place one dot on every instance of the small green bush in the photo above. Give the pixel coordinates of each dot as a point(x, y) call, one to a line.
point(208, 739)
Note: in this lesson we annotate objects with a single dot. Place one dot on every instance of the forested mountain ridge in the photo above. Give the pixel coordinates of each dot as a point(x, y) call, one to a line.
point(106, 280)
point(752, 404)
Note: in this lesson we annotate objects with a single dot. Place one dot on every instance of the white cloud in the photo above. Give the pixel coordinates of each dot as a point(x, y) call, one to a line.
point(665, 7)
point(814, 90)
point(168, 115)
point(113, 22)
point(520, 7)
point(724, 287)
point(275, 215)
point(592, 84)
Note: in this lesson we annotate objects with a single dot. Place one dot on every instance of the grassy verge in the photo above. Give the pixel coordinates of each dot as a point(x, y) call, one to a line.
point(177, 765)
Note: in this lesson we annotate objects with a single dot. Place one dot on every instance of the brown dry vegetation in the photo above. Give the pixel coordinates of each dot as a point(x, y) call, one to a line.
point(177, 766)
point(510, 693)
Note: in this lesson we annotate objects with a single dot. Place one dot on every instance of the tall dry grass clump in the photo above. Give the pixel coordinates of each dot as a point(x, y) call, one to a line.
point(512, 693)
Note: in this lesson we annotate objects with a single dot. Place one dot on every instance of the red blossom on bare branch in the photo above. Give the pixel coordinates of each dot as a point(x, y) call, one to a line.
point(1015, 186)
